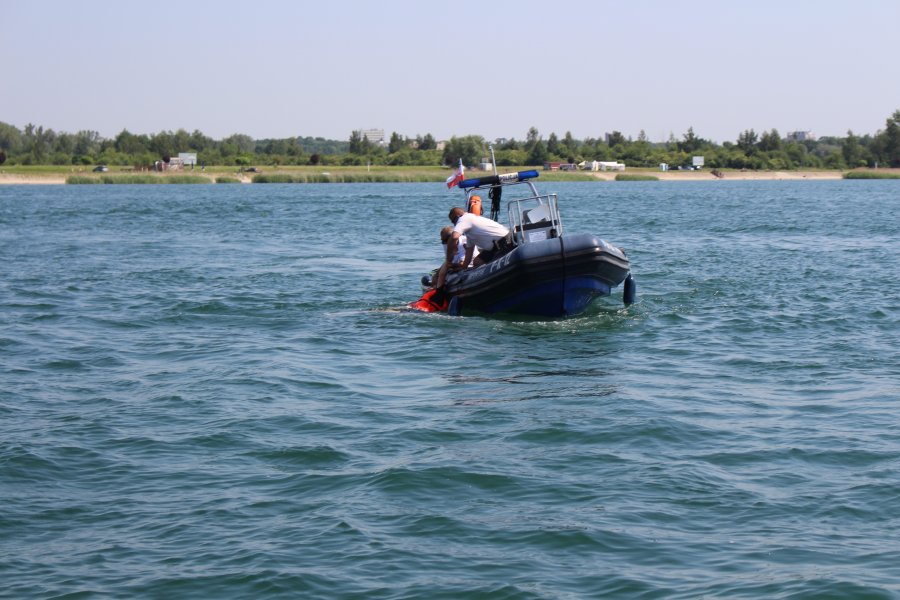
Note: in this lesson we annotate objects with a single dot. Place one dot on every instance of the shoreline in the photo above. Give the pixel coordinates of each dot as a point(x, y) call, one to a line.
point(706, 175)
point(728, 175)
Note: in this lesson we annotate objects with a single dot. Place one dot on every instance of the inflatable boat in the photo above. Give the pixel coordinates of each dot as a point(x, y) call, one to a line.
point(546, 274)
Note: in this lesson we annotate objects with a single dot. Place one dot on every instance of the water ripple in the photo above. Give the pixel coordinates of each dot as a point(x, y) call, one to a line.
point(205, 394)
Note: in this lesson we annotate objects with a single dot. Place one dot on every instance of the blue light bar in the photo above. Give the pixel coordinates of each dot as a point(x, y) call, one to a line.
point(495, 179)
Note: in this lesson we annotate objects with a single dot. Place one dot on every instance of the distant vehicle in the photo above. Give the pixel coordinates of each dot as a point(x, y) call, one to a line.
point(253, 170)
point(101, 169)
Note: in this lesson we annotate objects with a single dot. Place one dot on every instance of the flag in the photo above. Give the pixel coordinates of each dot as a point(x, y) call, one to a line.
point(456, 177)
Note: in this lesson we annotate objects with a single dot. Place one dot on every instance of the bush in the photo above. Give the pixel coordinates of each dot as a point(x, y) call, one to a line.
point(137, 179)
point(872, 175)
point(182, 179)
point(625, 177)
point(80, 179)
point(273, 178)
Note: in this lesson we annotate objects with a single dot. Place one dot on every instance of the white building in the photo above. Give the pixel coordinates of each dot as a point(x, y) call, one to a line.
point(600, 165)
point(374, 136)
point(801, 136)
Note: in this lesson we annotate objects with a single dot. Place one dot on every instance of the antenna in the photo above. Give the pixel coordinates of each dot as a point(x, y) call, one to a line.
point(493, 160)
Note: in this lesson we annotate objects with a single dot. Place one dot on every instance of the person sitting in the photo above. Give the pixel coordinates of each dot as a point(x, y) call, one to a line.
point(458, 257)
point(490, 238)
point(461, 247)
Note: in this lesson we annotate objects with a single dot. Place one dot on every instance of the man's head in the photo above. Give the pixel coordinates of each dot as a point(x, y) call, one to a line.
point(446, 232)
point(455, 213)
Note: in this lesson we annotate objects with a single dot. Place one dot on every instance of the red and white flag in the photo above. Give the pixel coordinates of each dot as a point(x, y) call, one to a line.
point(456, 177)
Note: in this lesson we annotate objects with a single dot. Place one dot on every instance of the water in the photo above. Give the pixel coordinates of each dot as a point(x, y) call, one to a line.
point(210, 392)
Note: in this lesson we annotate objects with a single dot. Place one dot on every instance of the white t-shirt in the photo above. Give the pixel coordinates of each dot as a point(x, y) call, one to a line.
point(480, 231)
point(461, 250)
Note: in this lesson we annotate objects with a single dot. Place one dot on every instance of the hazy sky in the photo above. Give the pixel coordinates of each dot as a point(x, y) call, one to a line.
point(281, 68)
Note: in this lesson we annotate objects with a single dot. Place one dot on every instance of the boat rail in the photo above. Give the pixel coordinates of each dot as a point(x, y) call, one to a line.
point(531, 218)
point(534, 219)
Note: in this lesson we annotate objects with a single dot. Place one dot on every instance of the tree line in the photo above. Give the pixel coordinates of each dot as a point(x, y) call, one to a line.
point(35, 145)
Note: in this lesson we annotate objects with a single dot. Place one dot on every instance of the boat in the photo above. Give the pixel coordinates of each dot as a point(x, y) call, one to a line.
point(548, 273)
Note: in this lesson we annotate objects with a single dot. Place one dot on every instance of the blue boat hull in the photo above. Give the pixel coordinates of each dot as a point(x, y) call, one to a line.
point(557, 277)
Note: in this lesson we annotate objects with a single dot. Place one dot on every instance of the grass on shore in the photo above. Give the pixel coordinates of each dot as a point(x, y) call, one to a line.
point(136, 179)
point(274, 174)
point(340, 174)
point(633, 177)
point(872, 175)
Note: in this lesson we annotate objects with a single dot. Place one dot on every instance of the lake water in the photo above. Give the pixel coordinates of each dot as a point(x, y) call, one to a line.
point(211, 392)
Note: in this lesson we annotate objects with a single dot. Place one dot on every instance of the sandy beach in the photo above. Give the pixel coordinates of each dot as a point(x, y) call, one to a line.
point(16, 179)
point(729, 175)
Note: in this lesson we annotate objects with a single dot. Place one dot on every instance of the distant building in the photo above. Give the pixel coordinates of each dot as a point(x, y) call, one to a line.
point(374, 136)
point(601, 165)
point(800, 136)
point(174, 164)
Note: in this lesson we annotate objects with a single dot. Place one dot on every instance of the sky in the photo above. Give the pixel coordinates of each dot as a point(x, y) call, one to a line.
point(495, 68)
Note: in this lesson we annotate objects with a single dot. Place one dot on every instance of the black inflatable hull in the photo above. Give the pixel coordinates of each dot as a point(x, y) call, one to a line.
point(557, 277)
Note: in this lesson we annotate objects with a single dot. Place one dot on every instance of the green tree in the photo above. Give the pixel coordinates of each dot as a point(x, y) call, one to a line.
point(128, 143)
point(38, 142)
point(469, 148)
point(887, 143)
point(356, 142)
point(769, 141)
point(182, 141)
point(570, 144)
point(538, 154)
point(511, 158)
point(531, 138)
point(87, 143)
point(244, 143)
point(10, 138)
point(163, 144)
point(615, 139)
point(553, 146)
point(397, 143)
point(691, 143)
point(851, 150)
point(426, 143)
point(199, 142)
point(747, 141)
point(359, 144)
